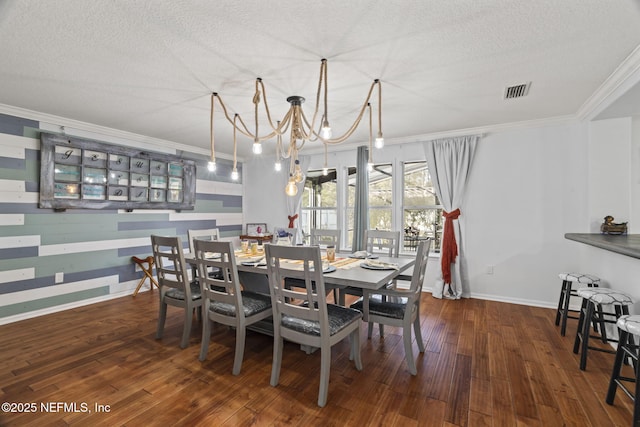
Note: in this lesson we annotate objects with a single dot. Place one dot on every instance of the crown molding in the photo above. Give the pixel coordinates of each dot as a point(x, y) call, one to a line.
point(71, 127)
point(623, 78)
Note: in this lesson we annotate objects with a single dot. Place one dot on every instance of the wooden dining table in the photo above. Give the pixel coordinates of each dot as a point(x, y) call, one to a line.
point(348, 271)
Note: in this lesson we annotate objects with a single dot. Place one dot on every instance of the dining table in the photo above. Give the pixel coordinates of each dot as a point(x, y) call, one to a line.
point(371, 271)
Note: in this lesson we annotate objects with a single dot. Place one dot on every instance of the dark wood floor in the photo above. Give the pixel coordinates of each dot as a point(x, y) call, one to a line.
point(486, 363)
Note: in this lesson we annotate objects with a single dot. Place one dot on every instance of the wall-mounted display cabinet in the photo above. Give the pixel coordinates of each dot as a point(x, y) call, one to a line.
point(87, 174)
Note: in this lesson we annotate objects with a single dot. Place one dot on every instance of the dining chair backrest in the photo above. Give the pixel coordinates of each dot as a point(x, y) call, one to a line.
point(420, 268)
point(306, 301)
point(382, 241)
point(207, 234)
point(171, 267)
point(326, 237)
point(225, 287)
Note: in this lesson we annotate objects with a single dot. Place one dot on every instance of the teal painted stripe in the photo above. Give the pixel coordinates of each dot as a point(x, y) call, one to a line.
point(83, 234)
point(214, 206)
point(14, 174)
point(39, 304)
point(30, 132)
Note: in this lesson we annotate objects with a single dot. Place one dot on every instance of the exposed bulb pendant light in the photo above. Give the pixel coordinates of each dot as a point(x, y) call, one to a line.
point(370, 162)
point(291, 189)
point(301, 129)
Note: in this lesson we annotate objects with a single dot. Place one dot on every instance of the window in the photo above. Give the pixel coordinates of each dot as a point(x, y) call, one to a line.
point(319, 202)
point(381, 197)
point(422, 212)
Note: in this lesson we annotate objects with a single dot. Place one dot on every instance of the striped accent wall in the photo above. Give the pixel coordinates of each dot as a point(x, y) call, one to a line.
point(52, 261)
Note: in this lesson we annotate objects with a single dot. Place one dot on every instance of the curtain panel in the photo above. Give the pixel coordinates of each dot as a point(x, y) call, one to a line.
point(449, 161)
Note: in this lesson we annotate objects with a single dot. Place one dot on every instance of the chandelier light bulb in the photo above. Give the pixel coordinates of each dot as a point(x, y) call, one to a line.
point(379, 142)
point(211, 166)
point(291, 189)
point(278, 166)
point(370, 167)
point(325, 171)
point(257, 148)
point(326, 132)
point(234, 174)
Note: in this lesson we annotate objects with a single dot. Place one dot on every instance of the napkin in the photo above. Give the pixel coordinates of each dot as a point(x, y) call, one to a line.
point(382, 264)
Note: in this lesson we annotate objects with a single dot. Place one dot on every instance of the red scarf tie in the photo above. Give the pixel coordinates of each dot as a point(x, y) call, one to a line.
point(291, 220)
point(449, 245)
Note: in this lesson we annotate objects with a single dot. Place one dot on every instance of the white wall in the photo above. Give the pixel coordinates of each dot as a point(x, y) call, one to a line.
point(528, 187)
point(609, 160)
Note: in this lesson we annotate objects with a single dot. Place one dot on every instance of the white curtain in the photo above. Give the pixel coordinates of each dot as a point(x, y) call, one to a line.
point(449, 161)
point(293, 202)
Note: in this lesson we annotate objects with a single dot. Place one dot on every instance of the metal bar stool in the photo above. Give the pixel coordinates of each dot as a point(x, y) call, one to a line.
point(567, 291)
point(592, 301)
point(628, 326)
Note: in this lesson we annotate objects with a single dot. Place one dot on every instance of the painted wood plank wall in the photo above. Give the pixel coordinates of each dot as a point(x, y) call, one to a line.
point(88, 250)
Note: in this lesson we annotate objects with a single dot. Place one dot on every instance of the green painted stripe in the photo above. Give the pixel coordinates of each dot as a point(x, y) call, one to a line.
point(39, 304)
point(214, 206)
point(13, 174)
point(97, 233)
point(30, 132)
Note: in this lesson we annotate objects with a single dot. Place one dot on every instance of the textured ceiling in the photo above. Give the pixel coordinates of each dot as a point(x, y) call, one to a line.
point(149, 67)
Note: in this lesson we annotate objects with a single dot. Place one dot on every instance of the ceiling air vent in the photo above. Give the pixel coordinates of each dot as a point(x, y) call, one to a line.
point(517, 91)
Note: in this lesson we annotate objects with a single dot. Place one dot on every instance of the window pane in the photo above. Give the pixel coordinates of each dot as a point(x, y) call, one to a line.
point(380, 219)
point(351, 187)
point(418, 188)
point(420, 224)
point(380, 185)
point(320, 189)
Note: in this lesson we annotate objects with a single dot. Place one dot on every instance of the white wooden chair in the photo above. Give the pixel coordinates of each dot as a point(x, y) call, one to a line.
point(302, 315)
point(404, 311)
point(207, 234)
point(223, 300)
point(173, 281)
point(326, 237)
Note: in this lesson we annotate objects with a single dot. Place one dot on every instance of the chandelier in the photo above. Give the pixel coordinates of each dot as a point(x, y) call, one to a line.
point(300, 129)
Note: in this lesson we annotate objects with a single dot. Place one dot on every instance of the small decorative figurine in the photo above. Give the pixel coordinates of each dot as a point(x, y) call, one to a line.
point(610, 227)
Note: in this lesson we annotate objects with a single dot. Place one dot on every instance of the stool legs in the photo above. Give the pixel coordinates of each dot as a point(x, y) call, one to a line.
point(625, 348)
point(148, 273)
point(588, 315)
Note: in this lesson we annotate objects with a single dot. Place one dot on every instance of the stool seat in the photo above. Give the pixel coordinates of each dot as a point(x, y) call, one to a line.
point(579, 278)
point(605, 296)
point(593, 300)
point(567, 291)
point(629, 323)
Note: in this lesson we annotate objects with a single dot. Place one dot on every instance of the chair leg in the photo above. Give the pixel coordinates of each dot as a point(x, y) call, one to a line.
point(355, 349)
point(565, 308)
point(408, 350)
point(381, 326)
point(325, 369)
point(581, 321)
point(162, 316)
point(418, 333)
point(206, 337)
point(617, 366)
point(369, 329)
point(277, 358)
point(241, 333)
point(186, 329)
point(561, 303)
point(585, 336)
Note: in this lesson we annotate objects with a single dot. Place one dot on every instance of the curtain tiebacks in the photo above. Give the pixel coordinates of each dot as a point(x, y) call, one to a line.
point(449, 245)
point(292, 218)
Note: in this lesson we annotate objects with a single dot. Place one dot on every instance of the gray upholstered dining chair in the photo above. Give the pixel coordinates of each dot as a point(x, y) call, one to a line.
point(302, 315)
point(223, 300)
point(404, 310)
point(173, 280)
